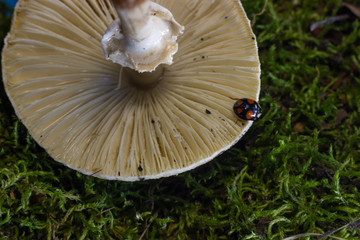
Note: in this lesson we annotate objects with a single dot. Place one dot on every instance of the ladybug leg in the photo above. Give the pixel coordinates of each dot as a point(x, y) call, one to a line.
point(233, 98)
point(239, 120)
point(235, 122)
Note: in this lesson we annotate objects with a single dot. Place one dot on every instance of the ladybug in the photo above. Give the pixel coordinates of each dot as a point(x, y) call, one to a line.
point(247, 109)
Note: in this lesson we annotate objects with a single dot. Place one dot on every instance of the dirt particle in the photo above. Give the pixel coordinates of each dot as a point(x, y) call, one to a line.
point(299, 127)
point(12, 196)
point(341, 115)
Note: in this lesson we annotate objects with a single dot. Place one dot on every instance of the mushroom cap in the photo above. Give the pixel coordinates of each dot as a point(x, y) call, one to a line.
point(65, 91)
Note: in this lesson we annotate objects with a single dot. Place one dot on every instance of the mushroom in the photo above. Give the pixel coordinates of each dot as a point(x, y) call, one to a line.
point(138, 121)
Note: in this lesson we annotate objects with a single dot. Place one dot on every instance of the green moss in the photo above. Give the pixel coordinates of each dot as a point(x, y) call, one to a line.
point(296, 171)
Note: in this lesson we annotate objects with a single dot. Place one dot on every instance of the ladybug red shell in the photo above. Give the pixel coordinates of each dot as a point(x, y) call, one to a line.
point(247, 109)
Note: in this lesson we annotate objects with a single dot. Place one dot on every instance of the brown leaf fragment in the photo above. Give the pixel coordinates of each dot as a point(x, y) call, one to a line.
point(12, 196)
point(324, 125)
point(354, 68)
point(341, 115)
point(317, 32)
point(333, 36)
point(344, 98)
point(299, 127)
point(341, 79)
point(36, 198)
point(354, 9)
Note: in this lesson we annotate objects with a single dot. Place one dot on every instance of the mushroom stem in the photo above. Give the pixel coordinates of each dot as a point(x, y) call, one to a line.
point(134, 16)
point(139, 80)
point(143, 37)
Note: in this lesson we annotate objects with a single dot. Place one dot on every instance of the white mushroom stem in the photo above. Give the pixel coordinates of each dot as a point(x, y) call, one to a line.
point(134, 17)
point(143, 37)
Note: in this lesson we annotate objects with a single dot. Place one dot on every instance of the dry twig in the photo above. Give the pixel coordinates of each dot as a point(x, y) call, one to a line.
point(258, 14)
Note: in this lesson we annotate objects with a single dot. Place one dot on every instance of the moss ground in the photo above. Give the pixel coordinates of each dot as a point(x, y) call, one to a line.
point(297, 171)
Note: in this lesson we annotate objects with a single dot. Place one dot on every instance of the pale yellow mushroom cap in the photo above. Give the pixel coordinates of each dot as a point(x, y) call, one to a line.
point(66, 92)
